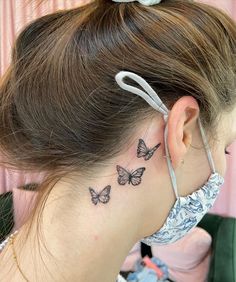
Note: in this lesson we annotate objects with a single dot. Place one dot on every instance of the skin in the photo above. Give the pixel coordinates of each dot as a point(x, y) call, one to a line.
point(90, 242)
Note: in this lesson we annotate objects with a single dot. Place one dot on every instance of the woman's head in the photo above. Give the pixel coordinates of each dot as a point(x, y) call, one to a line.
point(62, 110)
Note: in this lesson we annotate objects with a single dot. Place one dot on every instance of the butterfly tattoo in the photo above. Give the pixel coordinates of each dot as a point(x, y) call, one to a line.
point(29, 187)
point(125, 176)
point(144, 151)
point(102, 196)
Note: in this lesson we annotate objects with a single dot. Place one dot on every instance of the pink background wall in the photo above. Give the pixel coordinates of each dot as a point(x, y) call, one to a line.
point(13, 16)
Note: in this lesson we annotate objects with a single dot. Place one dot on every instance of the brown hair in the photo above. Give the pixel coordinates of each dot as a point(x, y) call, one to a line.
point(61, 109)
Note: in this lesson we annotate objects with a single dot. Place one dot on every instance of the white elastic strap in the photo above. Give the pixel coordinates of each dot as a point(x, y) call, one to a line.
point(208, 151)
point(171, 170)
point(151, 98)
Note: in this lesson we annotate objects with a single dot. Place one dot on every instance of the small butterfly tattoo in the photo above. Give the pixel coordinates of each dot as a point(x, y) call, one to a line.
point(29, 187)
point(102, 197)
point(131, 177)
point(144, 151)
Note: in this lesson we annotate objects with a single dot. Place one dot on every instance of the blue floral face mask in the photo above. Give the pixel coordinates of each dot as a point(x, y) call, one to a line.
point(187, 211)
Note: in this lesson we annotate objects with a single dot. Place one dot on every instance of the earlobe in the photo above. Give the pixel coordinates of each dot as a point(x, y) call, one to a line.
point(181, 123)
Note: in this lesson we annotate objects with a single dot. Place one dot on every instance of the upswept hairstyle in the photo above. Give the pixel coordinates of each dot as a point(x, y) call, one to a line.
point(60, 107)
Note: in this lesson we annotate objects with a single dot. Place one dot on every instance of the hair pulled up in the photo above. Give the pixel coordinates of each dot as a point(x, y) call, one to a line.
point(60, 107)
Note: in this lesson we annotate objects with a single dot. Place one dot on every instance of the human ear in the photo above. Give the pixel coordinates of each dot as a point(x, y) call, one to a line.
point(181, 124)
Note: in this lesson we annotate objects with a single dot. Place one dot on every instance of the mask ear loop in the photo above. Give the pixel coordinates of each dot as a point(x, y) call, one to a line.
point(151, 97)
point(207, 148)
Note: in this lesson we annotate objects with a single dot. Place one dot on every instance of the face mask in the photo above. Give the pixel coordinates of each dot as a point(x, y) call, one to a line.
point(187, 211)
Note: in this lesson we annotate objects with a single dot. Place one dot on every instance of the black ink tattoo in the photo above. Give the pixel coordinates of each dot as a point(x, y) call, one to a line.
point(144, 151)
point(102, 197)
point(131, 177)
point(29, 187)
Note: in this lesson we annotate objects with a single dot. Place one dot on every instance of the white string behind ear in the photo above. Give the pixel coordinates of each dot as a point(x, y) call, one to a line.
point(150, 95)
point(206, 145)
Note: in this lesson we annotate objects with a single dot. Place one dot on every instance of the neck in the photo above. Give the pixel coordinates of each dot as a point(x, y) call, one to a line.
point(90, 242)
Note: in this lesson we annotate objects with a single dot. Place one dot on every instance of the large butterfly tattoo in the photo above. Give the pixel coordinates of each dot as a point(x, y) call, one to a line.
point(102, 197)
point(144, 151)
point(125, 176)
